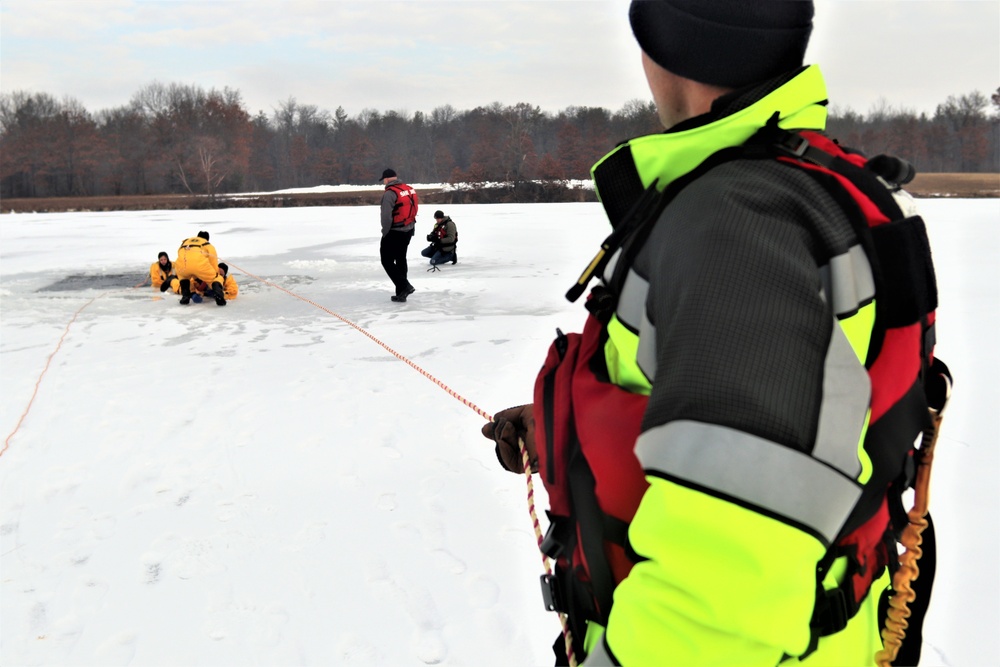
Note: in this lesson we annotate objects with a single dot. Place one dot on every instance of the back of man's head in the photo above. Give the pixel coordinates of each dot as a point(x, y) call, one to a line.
point(725, 43)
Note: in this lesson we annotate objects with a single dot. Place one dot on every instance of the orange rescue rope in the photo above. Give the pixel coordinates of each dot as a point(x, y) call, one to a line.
point(902, 593)
point(45, 370)
point(388, 349)
point(34, 393)
point(524, 452)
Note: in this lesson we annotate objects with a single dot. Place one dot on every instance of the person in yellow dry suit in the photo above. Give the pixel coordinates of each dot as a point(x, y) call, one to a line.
point(161, 271)
point(229, 287)
point(197, 258)
point(199, 288)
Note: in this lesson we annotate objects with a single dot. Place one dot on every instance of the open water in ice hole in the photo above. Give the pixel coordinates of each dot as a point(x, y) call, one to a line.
point(81, 282)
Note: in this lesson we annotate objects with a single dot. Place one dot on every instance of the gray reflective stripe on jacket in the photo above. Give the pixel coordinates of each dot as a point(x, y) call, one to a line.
point(767, 477)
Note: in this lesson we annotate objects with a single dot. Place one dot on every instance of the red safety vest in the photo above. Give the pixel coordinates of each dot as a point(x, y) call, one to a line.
point(404, 212)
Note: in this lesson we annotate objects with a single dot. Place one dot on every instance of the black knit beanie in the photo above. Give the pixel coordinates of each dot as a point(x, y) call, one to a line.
point(203, 235)
point(727, 43)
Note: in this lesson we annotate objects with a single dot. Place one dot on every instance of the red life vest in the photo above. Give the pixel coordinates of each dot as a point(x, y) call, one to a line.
point(440, 231)
point(404, 212)
point(594, 481)
point(586, 461)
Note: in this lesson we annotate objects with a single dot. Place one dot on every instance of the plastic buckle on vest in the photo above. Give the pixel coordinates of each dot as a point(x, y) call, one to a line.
point(551, 593)
point(602, 303)
point(794, 144)
point(552, 545)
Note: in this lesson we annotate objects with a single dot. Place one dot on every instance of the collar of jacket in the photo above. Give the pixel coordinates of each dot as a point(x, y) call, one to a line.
point(621, 176)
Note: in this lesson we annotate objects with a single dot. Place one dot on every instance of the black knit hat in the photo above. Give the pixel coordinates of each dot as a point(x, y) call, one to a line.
point(162, 254)
point(728, 43)
point(438, 214)
point(388, 173)
point(224, 267)
point(203, 235)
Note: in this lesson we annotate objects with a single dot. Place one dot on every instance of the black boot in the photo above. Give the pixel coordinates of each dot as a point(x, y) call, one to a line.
point(454, 256)
point(220, 297)
point(402, 293)
point(185, 292)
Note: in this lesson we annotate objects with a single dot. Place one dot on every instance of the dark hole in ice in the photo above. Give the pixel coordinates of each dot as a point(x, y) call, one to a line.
point(80, 282)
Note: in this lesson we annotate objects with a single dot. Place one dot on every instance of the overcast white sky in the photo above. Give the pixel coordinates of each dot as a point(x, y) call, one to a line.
point(418, 55)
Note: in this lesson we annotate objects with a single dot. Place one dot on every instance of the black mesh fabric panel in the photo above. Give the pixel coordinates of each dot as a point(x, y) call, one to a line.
point(742, 331)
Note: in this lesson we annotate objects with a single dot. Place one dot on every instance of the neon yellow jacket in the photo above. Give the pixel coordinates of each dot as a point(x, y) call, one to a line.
point(732, 320)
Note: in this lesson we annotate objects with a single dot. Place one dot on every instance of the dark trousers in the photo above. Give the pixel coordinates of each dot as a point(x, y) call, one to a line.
point(392, 251)
point(437, 256)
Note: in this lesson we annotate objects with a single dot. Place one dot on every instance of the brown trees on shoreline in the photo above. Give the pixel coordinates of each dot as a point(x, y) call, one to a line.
point(179, 139)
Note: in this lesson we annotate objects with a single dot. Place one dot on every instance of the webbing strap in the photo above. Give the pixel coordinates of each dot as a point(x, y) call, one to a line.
point(618, 184)
point(590, 519)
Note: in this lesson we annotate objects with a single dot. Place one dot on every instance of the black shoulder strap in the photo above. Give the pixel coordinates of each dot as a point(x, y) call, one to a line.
point(633, 224)
point(591, 525)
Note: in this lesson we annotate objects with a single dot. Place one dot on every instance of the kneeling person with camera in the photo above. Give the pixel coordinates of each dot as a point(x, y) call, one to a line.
point(443, 241)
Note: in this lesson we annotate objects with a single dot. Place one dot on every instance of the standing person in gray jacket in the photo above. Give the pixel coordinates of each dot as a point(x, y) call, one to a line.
point(443, 241)
point(399, 216)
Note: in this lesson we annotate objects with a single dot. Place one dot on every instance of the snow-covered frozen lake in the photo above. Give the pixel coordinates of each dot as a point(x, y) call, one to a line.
point(262, 484)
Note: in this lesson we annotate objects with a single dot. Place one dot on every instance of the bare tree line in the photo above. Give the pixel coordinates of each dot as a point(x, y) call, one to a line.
point(183, 139)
